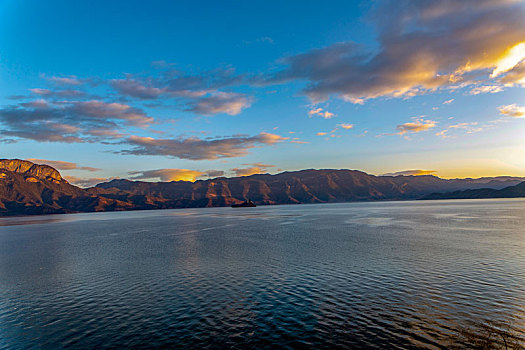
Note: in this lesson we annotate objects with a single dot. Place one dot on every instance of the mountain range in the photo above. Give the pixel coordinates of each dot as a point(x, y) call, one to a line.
point(28, 188)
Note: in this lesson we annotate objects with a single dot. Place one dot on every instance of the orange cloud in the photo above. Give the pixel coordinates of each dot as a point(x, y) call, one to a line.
point(416, 126)
point(512, 110)
point(346, 126)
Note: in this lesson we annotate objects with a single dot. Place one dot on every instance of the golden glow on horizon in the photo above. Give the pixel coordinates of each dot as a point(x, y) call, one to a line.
point(184, 175)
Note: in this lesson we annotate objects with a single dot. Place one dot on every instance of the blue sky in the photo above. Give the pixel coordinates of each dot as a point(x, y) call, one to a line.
point(182, 90)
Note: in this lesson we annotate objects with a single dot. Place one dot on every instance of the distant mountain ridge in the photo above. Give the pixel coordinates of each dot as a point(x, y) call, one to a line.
point(507, 192)
point(28, 188)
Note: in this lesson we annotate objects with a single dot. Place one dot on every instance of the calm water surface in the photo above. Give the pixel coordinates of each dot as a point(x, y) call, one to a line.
point(382, 275)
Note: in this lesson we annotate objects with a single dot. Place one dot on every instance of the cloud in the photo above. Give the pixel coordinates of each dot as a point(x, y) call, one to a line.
point(69, 121)
point(422, 46)
point(261, 165)
point(167, 174)
point(69, 80)
point(417, 125)
point(87, 182)
point(62, 165)
point(411, 173)
point(134, 88)
point(447, 102)
point(486, 89)
point(322, 133)
point(199, 93)
point(58, 93)
point(264, 39)
point(470, 128)
point(516, 76)
point(214, 173)
point(346, 126)
point(248, 171)
point(512, 110)
point(196, 149)
point(220, 102)
point(321, 113)
point(254, 168)
point(100, 109)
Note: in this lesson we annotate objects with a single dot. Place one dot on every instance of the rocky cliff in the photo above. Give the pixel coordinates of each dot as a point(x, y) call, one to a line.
point(31, 171)
point(28, 188)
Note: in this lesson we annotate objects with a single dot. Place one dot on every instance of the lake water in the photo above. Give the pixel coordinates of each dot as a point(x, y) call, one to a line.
point(361, 275)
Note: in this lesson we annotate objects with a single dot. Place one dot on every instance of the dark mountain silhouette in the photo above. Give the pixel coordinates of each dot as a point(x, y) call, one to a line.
point(507, 192)
point(28, 188)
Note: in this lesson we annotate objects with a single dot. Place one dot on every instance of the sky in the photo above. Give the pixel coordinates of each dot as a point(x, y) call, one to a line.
point(187, 90)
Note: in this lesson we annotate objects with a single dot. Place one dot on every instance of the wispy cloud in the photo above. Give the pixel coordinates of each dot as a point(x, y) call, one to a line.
point(263, 39)
point(69, 80)
point(196, 149)
point(469, 128)
point(62, 165)
point(486, 89)
point(134, 88)
point(58, 93)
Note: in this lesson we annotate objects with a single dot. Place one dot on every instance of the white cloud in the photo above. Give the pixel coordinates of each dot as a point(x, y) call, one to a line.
point(321, 113)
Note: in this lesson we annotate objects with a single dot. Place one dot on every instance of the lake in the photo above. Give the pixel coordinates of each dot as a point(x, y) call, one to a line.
point(361, 275)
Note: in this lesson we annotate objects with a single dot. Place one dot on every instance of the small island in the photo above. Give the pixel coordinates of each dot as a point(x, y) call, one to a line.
point(245, 204)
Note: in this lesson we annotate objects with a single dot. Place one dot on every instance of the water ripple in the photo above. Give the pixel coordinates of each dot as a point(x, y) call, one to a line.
point(366, 275)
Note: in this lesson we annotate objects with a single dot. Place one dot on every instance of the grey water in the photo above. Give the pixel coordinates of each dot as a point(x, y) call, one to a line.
point(351, 275)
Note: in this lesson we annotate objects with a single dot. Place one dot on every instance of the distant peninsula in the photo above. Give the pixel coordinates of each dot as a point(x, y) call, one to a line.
point(27, 188)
